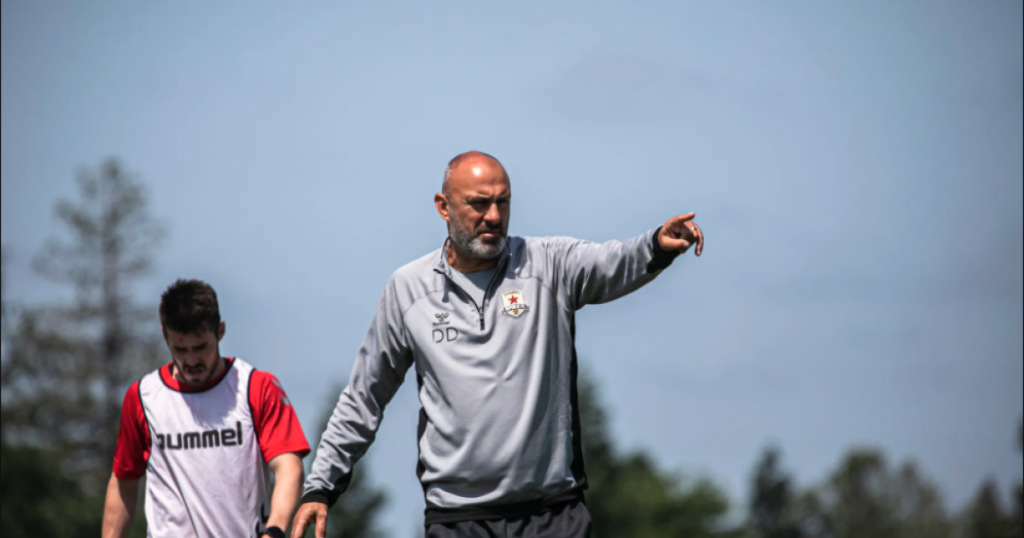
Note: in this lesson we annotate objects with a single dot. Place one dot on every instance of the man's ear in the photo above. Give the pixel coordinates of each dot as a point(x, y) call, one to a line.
point(221, 330)
point(442, 205)
point(163, 331)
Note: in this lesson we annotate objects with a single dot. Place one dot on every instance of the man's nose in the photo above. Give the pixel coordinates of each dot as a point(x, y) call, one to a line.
point(492, 215)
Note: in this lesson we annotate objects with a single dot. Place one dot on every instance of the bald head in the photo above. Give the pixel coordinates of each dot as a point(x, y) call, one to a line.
point(474, 200)
point(471, 165)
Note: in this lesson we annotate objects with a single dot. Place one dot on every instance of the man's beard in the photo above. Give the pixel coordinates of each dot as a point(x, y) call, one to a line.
point(204, 373)
point(469, 242)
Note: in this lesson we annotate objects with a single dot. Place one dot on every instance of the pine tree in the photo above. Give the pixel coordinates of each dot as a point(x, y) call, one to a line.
point(66, 366)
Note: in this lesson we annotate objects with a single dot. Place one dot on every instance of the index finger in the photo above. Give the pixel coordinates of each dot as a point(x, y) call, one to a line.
point(677, 221)
point(298, 528)
point(300, 524)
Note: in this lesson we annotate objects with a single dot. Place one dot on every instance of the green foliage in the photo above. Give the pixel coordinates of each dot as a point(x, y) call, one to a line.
point(357, 512)
point(1019, 490)
point(771, 508)
point(630, 496)
point(6, 314)
point(987, 518)
point(865, 497)
point(4, 307)
point(38, 499)
point(65, 367)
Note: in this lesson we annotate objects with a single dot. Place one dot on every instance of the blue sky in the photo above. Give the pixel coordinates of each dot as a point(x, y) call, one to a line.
point(857, 168)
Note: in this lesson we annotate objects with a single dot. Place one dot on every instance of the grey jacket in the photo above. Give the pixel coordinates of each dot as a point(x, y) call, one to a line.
point(499, 431)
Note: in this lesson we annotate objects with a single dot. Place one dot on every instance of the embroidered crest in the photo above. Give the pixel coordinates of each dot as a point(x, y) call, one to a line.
point(513, 303)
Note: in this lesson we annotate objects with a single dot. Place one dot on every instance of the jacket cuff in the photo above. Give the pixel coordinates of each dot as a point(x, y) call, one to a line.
point(316, 496)
point(662, 258)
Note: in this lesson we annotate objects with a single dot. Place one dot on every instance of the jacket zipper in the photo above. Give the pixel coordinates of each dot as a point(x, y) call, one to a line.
point(498, 270)
point(480, 307)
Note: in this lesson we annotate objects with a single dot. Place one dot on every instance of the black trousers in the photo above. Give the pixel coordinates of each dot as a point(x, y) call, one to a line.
point(570, 520)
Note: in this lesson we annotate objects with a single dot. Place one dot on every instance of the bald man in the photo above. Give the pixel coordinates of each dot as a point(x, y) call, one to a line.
point(488, 322)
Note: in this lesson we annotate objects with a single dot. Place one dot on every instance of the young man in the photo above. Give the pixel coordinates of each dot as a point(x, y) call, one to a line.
point(489, 322)
point(205, 430)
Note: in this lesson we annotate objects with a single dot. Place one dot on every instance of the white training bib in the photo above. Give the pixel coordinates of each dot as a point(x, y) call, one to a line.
point(206, 477)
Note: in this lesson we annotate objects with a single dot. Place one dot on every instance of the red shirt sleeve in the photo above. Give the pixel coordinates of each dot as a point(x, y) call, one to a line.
point(277, 427)
point(133, 442)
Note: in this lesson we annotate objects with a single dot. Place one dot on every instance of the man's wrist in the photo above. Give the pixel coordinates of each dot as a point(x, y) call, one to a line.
point(274, 532)
point(316, 496)
point(661, 258)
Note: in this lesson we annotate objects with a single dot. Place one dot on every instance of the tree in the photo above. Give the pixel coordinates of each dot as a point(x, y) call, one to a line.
point(67, 366)
point(986, 517)
point(771, 501)
point(37, 499)
point(4, 259)
point(865, 497)
point(357, 511)
point(5, 333)
point(1019, 491)
point(630, 496)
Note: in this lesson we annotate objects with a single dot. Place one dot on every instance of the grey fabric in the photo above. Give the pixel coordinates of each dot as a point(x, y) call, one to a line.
point(475, 284)
point(496, 380)
point(567, 521)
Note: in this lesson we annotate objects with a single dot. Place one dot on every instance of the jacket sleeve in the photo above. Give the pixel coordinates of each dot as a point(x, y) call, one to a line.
point(379, 370)
point(596, 273)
